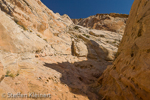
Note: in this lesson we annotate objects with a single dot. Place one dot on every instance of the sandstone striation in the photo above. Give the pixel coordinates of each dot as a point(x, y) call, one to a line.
point(111, 22)
point(128, 77)
point(44, 52)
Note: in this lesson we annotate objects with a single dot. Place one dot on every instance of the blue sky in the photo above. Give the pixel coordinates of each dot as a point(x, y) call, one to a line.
point(85, 8)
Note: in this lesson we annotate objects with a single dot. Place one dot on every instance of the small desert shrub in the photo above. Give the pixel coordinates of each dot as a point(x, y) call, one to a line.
point(76, 27)
point(17, 73)
point(8, 74)
point(38, 35)
point(12, 75)
point(45, 40)
point(86, 35)
point(17, 22)
point(115, 41)
point(37, 51)
point(102, 36)
point(107, 41)
point(24, 28)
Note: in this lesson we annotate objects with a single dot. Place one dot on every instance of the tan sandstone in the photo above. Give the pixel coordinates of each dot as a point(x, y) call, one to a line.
point(37, 53)
point(128, 77)
point(111, 22)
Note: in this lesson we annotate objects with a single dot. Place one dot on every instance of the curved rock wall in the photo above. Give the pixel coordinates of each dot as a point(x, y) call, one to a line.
point(128, 77)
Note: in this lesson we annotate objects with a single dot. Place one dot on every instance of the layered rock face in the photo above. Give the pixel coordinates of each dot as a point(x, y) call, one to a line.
point(128, 77)
point(43, 52)
point(26, 19)
point(110, 22)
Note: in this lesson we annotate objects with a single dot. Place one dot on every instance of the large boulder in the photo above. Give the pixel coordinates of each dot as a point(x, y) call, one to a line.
point(80, 49)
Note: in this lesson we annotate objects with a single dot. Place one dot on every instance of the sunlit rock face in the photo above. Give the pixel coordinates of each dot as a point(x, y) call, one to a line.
point(111, 22)
point(128, 77)
point(43, 52)
point(24, 20)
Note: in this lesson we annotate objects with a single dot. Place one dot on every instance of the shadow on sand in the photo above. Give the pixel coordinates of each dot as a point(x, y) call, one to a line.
point(80, 76)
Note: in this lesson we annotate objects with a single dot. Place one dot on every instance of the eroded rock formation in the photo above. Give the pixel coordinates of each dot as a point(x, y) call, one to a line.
point(128, 77)
point(43, 52)
point(111, 22)
point(36, 52)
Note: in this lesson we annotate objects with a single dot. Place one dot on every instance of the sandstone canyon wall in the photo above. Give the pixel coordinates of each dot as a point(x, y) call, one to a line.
point(43, 52)
point(128, 77)
point(111, 22)
point(28, 19)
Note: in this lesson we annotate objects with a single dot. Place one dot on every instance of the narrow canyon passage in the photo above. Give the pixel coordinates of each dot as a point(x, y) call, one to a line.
point(101, 57)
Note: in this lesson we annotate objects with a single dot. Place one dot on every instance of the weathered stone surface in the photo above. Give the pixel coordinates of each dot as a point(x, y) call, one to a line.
point(128, 77)
point(15, 39)
point(111, 22)
point(36, 52)
point(80, 49)
point(33, 15)
point(100, 44)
